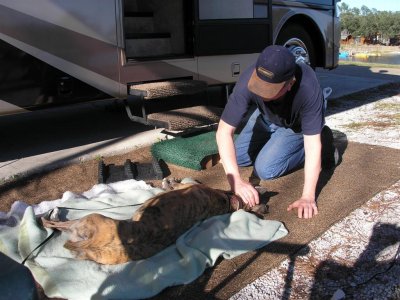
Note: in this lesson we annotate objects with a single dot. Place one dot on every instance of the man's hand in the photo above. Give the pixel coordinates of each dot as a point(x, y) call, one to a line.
point(244, 190)
point(226, 149)
point(306, 207)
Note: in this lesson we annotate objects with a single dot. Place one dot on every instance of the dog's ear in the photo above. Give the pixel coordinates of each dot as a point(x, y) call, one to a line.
point(261, 190)
point(264, 194)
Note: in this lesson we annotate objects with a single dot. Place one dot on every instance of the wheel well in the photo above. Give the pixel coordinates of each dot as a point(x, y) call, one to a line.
point(312, 29)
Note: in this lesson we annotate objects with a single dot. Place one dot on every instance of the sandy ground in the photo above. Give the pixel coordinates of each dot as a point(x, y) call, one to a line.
point(357, 258)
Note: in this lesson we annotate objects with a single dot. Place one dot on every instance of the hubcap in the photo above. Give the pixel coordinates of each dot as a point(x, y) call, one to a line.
point(299, 50)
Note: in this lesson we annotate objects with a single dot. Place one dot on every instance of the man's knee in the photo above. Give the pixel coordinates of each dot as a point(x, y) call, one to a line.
point(272, 170)
point(244, 161)
point(268, 172)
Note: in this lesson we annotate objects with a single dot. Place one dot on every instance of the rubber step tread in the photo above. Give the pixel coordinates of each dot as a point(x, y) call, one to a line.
point(156, 90)
point(186, 118)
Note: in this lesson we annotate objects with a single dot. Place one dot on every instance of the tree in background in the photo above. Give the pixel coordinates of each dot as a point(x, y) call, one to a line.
point(350, 19)
point(374, 25)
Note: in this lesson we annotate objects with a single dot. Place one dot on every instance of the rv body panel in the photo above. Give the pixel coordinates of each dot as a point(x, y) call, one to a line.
point(157, 70)
point(224, 69)
point(80, 40)
point(100, 43)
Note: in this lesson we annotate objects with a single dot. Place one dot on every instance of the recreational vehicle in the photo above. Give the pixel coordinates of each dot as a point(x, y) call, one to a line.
point(56, 52)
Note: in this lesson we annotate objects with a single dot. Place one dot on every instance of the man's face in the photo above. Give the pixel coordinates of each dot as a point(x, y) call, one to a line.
point(286, 88)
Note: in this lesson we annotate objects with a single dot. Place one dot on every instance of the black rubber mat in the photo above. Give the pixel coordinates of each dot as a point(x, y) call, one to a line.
point(130, 170)
point(185, 118)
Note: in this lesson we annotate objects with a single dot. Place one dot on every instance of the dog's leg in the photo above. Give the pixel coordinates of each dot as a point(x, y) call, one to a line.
point(62, 226)
point(165, 184)
point(174, 184)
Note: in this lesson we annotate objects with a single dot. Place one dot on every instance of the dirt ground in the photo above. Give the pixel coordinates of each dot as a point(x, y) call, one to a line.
point(81, 177)
point(365, 170)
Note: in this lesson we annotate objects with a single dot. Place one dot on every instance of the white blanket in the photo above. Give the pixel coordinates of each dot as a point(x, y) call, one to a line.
point(61, 275)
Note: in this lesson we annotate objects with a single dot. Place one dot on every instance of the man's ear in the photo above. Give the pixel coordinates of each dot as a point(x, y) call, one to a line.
point(291, 83)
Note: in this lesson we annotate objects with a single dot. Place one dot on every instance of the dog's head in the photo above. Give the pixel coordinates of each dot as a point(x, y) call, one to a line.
point(237, 203)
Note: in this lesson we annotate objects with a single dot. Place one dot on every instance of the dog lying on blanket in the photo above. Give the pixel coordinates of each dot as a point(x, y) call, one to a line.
point(153, 227)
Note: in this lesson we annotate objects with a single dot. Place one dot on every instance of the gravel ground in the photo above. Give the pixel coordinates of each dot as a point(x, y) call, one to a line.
point(357, 258)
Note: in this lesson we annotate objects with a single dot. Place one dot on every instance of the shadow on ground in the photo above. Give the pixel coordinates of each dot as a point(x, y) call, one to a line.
point(331, 275)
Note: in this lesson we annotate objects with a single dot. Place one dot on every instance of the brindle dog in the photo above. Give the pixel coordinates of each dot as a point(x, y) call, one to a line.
point(152, 228)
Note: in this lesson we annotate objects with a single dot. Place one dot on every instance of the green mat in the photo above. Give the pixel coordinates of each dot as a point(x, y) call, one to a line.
point(186, 152)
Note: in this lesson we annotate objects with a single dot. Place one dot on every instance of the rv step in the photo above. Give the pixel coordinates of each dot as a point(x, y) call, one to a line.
point(186, 118)
point(154, 90)
point(162, 96)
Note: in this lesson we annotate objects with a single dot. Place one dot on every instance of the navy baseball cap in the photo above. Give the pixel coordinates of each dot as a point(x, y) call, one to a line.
point(274, 67)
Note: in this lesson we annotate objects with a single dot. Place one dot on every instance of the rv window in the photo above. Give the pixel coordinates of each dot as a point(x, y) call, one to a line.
point(260, 10)
point(223, 9)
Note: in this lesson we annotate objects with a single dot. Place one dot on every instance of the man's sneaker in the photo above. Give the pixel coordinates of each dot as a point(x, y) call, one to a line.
point(330, 154)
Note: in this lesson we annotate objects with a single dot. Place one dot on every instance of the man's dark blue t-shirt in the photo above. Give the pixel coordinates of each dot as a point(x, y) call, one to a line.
point(301, 109)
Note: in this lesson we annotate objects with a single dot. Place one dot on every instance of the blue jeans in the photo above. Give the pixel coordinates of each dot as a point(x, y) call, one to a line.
point(273, 150)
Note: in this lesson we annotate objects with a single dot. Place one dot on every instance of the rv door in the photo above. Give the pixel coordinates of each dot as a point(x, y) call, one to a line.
point(231, 27)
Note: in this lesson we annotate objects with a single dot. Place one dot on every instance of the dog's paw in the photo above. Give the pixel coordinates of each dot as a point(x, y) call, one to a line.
point(165, 184)
point(189, 180)
point(52, 214)
point(170, 183)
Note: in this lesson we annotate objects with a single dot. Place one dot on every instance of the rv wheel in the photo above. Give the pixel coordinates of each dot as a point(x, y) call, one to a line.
point(298, 41)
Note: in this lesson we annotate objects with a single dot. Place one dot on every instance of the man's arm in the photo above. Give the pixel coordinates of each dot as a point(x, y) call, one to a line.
point(306, 205)
point(227, 153)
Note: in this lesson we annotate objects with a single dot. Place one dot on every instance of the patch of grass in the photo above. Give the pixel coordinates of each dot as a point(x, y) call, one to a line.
point(384, 120)
point(374, 124)
point(385, 116)
point(388, 106)
point(10, 179)
point(394, 118)
point(98, 157)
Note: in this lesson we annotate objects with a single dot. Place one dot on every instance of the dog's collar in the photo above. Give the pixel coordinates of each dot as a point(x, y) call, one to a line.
point(235, 202)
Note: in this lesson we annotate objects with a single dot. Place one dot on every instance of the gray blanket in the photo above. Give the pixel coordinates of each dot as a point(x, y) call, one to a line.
point(61, 275)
